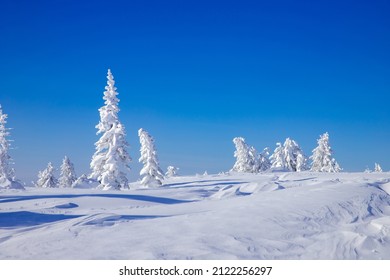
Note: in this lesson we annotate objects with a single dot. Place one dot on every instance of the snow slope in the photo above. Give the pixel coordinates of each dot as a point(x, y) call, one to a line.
point(234, 216)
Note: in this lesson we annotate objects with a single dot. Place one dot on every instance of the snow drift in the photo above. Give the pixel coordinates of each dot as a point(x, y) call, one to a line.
point(276, 215)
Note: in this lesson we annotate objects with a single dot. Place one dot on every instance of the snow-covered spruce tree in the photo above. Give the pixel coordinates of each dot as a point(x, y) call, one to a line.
point(378, 168)
point(322, 160)
point(277, 158)
point(246, 157)
point(151, 172)
point(301, 162)
point(263, 160)
point(5, 171)
point(46, 178)
point(110, 162)
point(171, 171)
point(68, 175)
point(294, 157)
point(7, 174)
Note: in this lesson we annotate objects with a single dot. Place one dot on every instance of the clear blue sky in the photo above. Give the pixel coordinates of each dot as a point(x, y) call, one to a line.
point(195, 74)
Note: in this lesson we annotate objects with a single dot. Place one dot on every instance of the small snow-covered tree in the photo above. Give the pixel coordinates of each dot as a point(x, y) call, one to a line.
point(68, 175)
point(7, 174)
point(378, 168)
point(263, 160)
point(46, 178)
point(322, 160)
point(246, 157)
point(171, 171)
point(151, 172)
point(367, 170)
point(111, 160)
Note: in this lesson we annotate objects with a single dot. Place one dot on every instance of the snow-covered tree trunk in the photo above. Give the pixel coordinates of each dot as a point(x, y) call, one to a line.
point(110, 162)
point(68, 175)
point(322, 160)
point(151, 172)
point(7, 174)
point(46, 178)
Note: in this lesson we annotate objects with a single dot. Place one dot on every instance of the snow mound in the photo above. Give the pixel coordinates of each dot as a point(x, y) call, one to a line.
point(66, 206)
point(83, 182)
point(8, 184)
point(386, 187)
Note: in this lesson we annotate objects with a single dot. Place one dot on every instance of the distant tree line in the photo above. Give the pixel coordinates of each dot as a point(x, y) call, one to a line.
point(110, 162)
point(286, 157)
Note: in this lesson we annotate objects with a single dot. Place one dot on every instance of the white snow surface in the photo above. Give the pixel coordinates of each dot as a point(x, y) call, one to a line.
point(275, 215)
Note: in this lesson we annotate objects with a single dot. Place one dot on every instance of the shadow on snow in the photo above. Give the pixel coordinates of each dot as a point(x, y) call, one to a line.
point(184, 184)
point(109, 221)
point(26, 218)
point(155, 199)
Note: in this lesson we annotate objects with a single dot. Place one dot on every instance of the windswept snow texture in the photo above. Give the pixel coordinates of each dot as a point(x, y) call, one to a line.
point(238, 216)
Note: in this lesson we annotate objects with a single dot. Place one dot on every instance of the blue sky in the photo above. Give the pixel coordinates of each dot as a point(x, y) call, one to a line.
point(195, 74)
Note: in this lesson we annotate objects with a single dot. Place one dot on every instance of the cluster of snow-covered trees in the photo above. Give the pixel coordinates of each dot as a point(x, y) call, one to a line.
point(47, 178)
point(247, 158)
point(287, 156)
point(110, 162)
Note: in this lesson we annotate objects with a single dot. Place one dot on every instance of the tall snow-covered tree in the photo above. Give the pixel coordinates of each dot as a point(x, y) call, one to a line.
point(68, 175)
point(46, 178)
point(246, 157)
point(151, 172)
point(110, 162)
point(322, 160)
point(7, 174)
point(5, 171)
point(171, 171)
point(378, 168)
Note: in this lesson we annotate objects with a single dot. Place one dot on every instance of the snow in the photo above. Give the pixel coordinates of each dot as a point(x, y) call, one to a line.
point(278, 215)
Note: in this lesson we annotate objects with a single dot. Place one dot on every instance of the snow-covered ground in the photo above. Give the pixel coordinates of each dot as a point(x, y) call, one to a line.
point(238, 216)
